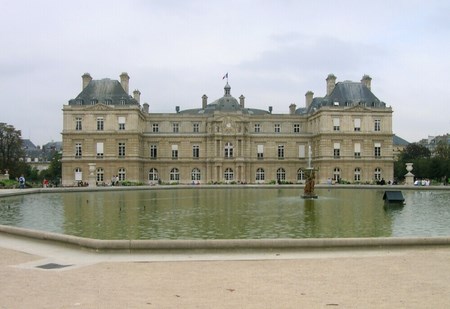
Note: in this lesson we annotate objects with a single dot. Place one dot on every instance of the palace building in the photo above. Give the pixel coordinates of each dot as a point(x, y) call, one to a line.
point(346, 135)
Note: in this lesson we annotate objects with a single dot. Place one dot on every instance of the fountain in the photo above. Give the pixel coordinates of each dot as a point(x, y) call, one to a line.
point(308, 192)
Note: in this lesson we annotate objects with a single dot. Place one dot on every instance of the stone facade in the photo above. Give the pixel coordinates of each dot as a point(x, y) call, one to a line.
point(108, 130)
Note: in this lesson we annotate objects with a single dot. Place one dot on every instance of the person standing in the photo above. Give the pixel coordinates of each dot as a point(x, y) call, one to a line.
point(21, 182)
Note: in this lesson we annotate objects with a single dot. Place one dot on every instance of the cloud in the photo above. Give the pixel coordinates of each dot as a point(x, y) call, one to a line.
point(176, 51)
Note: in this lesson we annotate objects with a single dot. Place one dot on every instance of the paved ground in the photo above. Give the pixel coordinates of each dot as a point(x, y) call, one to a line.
point(382, 278)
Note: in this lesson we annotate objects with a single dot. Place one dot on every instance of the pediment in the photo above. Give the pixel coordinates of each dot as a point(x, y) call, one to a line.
point(358, 108)
point(99, 107)
point(229, 124)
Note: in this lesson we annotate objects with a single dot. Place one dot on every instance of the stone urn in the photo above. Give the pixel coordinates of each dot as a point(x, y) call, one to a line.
point(409, 177)
point(409, 167)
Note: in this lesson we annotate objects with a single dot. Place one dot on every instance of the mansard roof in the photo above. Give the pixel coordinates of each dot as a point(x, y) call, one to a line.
point(105, 91)
point(346, 93)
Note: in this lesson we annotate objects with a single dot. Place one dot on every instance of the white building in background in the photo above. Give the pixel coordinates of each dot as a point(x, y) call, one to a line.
point(349, 131)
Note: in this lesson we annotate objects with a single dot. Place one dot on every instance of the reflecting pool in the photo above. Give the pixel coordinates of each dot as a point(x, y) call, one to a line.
point(229, 213)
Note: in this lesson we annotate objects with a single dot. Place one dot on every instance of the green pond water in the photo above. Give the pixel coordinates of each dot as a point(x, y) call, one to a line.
point(229, 213)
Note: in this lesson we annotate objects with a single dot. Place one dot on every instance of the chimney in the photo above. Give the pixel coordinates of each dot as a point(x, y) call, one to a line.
point(137, 96)
point(204, 101)
point(146, 108)
point(124, 81)
point(86, 80)
point(242, 101)
point(309, 98)
point(331, 83)
point(270, 109)
point(292, 109)
point(366, 81)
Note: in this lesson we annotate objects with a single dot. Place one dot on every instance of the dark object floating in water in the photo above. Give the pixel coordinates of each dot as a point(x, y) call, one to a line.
point(309, 196)
point(393, 197)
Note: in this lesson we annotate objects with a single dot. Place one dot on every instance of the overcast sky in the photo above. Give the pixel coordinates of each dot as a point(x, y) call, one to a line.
point(274, 51)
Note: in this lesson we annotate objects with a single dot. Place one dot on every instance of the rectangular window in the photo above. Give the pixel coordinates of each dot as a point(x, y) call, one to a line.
point(196, 127)
point(357, 150)
point(78, 150)
point(277, 128)
point(337, 150)
point(377, 150)
point(296, 128)
point(301, 151)
point(260, 151)
point(155, 128)
point(257, 128)
point(280, 151)
point(175, 127)
point(121, 123)
point(153, 151)
point(174, 151)
point(121, 150)
point(357, 125)
point(100, 124)
point(377, 127)
point(99, 150)
point(78, 124)
point(196, 151)
point(228, 150)
point(336, 124)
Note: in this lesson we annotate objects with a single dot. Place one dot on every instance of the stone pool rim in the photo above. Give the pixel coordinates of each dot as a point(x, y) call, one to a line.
point(220, 244)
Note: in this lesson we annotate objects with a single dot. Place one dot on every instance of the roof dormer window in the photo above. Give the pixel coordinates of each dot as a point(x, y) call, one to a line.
point(108, 101)
point(122, 101)
point(94, 101)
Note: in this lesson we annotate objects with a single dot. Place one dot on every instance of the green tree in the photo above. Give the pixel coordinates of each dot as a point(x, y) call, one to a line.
point(442, 150)
point(53, 172)
point(414, 151)
point(11, 150)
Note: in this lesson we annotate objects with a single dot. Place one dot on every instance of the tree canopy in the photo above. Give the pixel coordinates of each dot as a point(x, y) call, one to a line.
point(11, 150)
point(415, 151)
point(434, 165)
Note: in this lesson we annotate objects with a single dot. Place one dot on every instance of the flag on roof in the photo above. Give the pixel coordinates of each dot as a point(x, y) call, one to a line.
point(225, 76)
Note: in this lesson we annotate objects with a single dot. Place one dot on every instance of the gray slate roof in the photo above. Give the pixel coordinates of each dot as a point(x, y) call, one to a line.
point(104, 91)
point(227, 103)
point(396, 140)
point(345, 93)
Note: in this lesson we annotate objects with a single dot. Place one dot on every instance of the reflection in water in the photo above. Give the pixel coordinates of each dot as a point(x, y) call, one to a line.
point(228, 213)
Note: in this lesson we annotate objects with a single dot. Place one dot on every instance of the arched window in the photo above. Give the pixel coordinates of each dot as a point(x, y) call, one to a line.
point(336, 174)
point(122, 174)
point(300, 175)
point(281, 174)
point(100, 175)
point(153, 174)
point(195, 174)
point(228, 150)
point(357, 174)
point(260, 175)
point(377, 174)
point(174, 174)
point(229, 174)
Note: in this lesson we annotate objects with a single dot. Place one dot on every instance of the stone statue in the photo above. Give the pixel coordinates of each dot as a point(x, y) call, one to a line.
point(309, 185)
